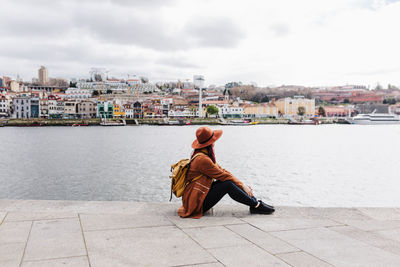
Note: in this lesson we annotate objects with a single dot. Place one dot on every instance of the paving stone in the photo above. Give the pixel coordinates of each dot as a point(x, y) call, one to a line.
point(5, 204)
point(92, 222)
point(215, 264)
point(64, 262)
point(11, 263)
point(372, 224)
point(248, 255)
point(336, 214)
point(278, 224)
point(204, 221)
point(382, 213)
point(2, 215)
point(391, 234)
point(156, 246)
point(33, 216)
point(11, 251)
point(169, 209)
point(302, 259)
point(14, 232)
point(55, 239)
point(372, 238)
point(262, 239)
point(109, 207)
point(215, 237)
point(292, 212)
point(338, 249)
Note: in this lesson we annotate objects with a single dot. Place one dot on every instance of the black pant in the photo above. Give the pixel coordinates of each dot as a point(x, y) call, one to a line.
point(219, 189)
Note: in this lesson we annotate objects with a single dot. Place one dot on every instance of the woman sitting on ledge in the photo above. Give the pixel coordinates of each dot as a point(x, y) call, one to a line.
point(203, 193)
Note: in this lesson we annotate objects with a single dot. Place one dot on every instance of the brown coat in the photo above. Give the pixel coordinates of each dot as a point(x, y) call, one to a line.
point(195, 192)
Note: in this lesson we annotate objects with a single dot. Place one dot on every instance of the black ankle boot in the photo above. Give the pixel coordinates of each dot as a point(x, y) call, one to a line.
point(263, 208)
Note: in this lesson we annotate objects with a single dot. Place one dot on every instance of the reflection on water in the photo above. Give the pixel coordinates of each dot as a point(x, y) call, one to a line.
point(326, 165)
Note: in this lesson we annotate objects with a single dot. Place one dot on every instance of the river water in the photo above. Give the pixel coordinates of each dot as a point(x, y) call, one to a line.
point(324, 166)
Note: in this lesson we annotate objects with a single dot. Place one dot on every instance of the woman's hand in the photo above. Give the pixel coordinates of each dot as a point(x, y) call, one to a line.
point(248, 190)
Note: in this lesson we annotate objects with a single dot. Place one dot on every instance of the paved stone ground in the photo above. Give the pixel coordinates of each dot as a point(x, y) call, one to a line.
point(74, 233)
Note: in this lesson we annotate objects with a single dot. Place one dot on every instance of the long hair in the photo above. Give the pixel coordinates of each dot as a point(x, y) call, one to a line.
point(210, 152)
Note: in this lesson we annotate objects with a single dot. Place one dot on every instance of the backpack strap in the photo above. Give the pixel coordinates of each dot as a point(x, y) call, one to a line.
point(188, 166)
point(198, 177)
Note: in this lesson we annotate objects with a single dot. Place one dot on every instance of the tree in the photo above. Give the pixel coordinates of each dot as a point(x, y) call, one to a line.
point(301, 111)
point(321, 111)
point(212, 110)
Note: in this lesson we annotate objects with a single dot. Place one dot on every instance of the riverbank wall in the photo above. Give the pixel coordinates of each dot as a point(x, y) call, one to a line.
point(99, 233)
point(141, 121)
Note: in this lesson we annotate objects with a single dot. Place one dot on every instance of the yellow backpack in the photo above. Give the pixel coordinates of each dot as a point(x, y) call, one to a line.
point(178, 176)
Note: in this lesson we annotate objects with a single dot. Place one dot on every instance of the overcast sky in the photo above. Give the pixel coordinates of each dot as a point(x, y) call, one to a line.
point(310, 42)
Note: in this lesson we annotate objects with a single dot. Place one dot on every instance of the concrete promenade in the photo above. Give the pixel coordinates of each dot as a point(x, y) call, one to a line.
point(77, 233)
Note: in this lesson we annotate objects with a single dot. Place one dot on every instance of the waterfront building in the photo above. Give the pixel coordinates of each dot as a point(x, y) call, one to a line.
point(105, 109)
point(22, 106)
point(336, 111)
point(137, 110)
point(71, 109)
point(262, 110)
point(43, 76)
point(55, 107)
point(187, 112)
point(228, 111)
point(5, 106)
point(129, 114)
point(44, 107)
point(86, 109)
point(76, 93)
point(166, 104)
point(289, 107)
point(118, 111)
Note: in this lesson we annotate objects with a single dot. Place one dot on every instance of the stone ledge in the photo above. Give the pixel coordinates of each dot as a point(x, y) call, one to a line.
point(96, 233)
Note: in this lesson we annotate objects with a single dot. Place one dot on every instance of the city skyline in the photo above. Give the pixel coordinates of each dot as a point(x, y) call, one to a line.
point(306, 43)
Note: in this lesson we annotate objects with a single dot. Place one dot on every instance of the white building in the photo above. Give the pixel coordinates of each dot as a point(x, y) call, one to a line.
point(76, 93)
point(5, 106)
point(185, 113)
point(55, 106)
point(22, 106)
point(227, 111)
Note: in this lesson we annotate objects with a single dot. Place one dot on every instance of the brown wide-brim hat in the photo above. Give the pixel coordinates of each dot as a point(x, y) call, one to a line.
point(205, 137)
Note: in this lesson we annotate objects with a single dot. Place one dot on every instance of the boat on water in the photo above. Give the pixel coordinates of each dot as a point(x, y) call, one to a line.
point(312, 121)
point(79, 124)
point(375, 118)
point(120, 122)
point(239, 122)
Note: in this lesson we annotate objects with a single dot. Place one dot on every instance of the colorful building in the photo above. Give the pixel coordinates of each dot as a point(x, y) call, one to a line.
point(262, 110)
point(105, 109)
point(118, 111)
point(289, 107)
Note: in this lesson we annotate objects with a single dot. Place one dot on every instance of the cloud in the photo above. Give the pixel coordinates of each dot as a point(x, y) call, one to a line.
point(280, 29)
point(312, 42)
point(177, 62)
point(214, 32)
point(147, 3)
